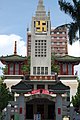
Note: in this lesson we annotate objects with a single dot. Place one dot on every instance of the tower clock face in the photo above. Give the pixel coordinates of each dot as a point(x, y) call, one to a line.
point(41, 26)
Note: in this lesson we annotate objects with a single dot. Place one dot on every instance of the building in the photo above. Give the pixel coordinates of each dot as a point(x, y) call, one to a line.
point(59, 41)
point(41, 94)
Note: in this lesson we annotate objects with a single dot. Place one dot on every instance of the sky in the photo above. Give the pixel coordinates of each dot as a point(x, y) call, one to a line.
point(16, 16)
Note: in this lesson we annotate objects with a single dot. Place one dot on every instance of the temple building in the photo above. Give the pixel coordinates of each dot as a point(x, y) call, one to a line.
point(40, 90)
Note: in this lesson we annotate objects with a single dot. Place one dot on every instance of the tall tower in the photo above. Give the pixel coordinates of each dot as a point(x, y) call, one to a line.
point(41, 42)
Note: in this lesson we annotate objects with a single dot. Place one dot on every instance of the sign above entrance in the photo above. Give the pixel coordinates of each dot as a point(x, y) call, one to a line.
point(38, 91)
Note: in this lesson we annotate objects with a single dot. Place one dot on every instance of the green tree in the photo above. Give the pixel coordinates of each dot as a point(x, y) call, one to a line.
point(54, 66)
point(73, 10)
point(26, 66)
point(76, 99)
point(5, 95)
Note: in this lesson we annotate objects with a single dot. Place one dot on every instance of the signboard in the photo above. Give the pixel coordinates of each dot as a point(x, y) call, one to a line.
point(38, 91)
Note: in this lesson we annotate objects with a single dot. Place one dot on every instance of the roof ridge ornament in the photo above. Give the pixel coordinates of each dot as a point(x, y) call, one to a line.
point(15, 48)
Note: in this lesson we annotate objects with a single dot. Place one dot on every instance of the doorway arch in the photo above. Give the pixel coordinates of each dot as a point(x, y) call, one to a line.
point(42, 104)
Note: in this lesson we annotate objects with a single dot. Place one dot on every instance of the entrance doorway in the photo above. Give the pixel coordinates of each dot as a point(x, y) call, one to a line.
point(40, 110)
point(42, 106)
point(51, 111)
point(29, 111)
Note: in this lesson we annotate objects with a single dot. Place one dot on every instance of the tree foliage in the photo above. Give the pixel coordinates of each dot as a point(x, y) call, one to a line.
point(26, 66)
point(5, 95)
point(73, 10)
point(54, 66)
point(76, 99)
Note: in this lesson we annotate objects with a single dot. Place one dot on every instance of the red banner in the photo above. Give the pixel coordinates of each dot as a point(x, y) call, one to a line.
point(38, 91)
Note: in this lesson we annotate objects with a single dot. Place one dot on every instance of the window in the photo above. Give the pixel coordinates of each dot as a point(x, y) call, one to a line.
point(46, 70)
point(57, 32)
point(64, 69)
point(52, 37)
point(63, 32)
point(34, 70)
point(16, 69)
point(69, 69)
point(58, 43)
point(42, 70)
point(38, 70)
point(52, 43)
point(40, 48)
point(57, 37)
point(11, 69)
point(63, 43)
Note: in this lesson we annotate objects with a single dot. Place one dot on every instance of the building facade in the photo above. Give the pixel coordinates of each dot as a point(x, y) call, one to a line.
point(59, 41)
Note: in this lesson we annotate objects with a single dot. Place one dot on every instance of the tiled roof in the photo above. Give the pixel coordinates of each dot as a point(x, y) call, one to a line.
point(13, 58)
point(59, 87)
point(21, 87)
point(67, 58)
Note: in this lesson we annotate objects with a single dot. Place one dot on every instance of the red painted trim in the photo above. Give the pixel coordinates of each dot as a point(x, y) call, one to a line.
point(59, 111)
point(20, 110)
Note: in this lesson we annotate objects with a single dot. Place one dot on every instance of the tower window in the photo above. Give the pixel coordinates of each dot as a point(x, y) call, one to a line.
point(40, 48)
point(34, 70)
point(38, 70)
point(42, 70)
point(46, 70)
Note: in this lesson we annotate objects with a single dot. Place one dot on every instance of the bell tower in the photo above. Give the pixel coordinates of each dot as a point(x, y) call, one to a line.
point(41, 42)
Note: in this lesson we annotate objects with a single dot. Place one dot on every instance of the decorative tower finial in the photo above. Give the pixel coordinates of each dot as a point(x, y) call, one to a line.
point(40, 2)
point(15, 48)
point(40, 12)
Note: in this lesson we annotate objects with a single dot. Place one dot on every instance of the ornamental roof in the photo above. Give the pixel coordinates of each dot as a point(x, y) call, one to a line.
point(12, 58)
point(21, 87)
point(67, 58)
point(59, 87)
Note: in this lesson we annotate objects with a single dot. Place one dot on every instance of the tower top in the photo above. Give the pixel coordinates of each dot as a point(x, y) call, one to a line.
point(40, 2)
point(40, 9)
point(15, 48)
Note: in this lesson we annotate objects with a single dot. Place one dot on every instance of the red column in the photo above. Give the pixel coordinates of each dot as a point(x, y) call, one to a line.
point(8, 69)
point(72, 69)
point(14, 69)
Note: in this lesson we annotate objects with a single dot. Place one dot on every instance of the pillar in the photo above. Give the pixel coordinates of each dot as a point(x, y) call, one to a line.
point(58, 107)
point(21, 107)
point(46, 86)
point(8, 111)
